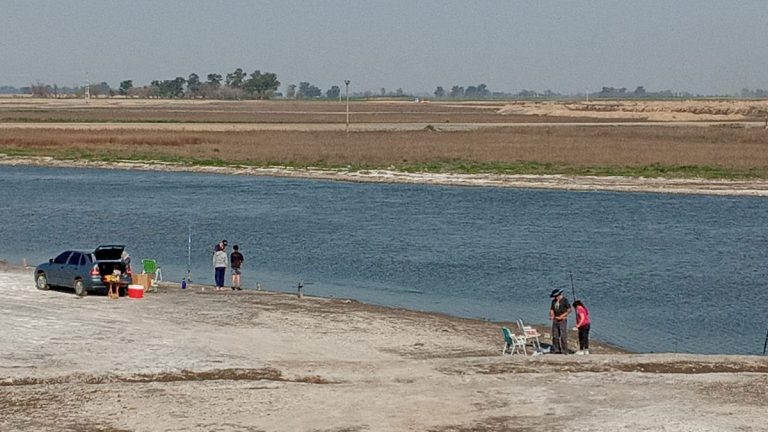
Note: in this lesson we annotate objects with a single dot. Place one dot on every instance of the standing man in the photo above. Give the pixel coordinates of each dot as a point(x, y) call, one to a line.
point(220, 266)
point(235, 261)
point(558, 314)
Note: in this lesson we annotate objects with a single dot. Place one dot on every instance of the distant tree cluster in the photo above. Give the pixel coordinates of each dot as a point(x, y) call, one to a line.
point(754, 94)
point(459, 92)
point(235, 85)
point(264, 85)
point(305, 90)
point(638, 93)
point(54, 91)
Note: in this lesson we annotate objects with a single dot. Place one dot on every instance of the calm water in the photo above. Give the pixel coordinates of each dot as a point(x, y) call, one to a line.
point(659, 272)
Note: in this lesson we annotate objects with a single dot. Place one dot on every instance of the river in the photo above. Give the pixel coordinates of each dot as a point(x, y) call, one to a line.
point(660, 273)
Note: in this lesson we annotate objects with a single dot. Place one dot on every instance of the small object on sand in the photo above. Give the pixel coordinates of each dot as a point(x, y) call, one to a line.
point(301, 285)
point(258, 286)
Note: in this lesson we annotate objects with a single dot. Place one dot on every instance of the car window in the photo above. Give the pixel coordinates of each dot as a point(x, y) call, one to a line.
point(82, 259)
point(75, 258)
point(62, 258)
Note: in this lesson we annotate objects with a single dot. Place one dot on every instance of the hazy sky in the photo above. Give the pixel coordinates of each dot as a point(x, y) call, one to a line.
point(701, 46)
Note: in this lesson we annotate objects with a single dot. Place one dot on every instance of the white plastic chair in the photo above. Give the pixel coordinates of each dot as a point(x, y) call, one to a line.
point(512, 342)
point(531, 335)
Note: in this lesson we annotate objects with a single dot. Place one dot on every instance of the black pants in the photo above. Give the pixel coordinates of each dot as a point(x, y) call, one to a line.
point(560, 336)
point(219, 276)
point(584, 337)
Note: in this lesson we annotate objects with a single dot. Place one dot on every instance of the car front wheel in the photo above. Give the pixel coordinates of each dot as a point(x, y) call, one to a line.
point(80, 289)
point(41, 281)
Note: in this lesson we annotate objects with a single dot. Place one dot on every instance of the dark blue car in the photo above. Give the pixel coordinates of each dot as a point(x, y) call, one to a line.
point(84, 270)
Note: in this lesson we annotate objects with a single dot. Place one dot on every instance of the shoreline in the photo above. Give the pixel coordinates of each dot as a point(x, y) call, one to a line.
point(235, 361)
point(351, 303)
point(756, 188)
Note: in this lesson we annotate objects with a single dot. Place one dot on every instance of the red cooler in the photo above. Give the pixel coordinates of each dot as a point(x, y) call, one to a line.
point(135, 291)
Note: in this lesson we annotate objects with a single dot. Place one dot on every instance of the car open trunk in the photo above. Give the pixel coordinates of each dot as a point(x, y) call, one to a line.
point(109, 257)
point(109, 252)
point(108, 267)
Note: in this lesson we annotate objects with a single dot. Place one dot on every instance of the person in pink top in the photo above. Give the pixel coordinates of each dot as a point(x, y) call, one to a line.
point(582, 326)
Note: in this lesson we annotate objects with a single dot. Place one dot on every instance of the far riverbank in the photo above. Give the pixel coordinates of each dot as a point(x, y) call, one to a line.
point(753, 187)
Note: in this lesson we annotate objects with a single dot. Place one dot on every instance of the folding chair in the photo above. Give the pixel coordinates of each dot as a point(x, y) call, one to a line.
point(530, 334)
point(512, 342)
point(149, 266)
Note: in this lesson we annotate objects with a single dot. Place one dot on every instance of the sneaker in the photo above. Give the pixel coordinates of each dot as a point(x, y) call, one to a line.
point(579, 352)
point(586, 351)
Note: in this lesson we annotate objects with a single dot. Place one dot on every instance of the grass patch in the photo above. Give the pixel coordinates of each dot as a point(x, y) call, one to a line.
point(670, 152)
point(655, 170)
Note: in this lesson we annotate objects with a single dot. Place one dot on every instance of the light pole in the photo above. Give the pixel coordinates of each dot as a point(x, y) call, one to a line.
point(346, 83)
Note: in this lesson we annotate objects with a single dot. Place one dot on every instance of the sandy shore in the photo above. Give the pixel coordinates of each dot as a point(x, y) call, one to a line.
point(574, 183)
point(249, 361)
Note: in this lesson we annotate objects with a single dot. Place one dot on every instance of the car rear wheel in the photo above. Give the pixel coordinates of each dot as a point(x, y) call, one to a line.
point(80, 289)
point(41, 281)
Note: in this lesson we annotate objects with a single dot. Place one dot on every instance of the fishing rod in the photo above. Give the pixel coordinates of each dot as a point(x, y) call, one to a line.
point(188, 278)
point(573, 290)
point(189, 251)
point(765, 344)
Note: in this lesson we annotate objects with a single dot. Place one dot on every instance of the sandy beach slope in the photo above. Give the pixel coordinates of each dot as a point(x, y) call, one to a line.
point(252, 361)
point(754, 187)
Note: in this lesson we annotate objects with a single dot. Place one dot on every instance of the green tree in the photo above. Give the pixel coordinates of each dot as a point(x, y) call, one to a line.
point(170, 88)
point(236, 79)
point(333, 92)
point(261, 85)
point(125, 86)
point(307, 90)
point(214, 79)
point(439, 92)
point(193, 85)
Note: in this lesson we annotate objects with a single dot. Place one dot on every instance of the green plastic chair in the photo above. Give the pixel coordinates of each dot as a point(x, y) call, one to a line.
point(149, 266)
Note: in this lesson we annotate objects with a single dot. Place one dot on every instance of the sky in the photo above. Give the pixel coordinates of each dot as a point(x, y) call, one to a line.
point(567, 46)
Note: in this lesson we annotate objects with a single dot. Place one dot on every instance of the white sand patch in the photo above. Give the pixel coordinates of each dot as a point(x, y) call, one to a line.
point(234, 361)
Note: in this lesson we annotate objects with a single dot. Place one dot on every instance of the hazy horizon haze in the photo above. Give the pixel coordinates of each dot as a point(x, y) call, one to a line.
point(567, 47)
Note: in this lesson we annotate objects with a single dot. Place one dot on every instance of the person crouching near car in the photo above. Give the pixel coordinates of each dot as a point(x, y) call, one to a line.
point(582, 326)
point(558, 314)
point(220, 262)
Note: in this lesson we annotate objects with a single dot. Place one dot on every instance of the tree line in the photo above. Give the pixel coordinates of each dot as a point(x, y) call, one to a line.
point(264, 85)
point(235, 85)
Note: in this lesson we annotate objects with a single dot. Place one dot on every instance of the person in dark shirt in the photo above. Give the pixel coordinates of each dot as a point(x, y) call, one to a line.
point(235, 261)
point(558, 314)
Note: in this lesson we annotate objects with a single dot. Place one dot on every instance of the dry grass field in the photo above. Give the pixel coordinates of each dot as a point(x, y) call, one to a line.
point(300, 112)
point(723, 150)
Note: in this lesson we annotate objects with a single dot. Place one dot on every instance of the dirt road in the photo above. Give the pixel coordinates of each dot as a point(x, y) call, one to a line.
point(250, 361)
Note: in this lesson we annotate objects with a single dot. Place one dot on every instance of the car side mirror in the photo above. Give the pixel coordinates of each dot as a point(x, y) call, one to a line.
point(50, 260)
